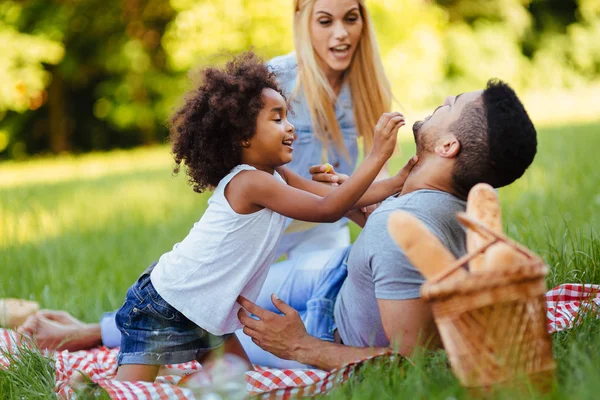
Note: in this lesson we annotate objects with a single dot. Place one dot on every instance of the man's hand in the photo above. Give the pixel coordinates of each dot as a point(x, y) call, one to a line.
point(286, 337)
point(281, 335)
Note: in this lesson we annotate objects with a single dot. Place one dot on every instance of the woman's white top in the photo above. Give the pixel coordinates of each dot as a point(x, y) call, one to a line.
point(225, 255)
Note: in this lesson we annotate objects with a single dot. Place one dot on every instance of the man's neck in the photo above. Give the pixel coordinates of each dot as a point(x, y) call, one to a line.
point(432, 174)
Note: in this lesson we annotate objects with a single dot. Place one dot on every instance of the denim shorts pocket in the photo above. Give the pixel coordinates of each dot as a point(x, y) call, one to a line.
point(155, 304)
point(136, 291)
point(155, 311)
point(122, 316)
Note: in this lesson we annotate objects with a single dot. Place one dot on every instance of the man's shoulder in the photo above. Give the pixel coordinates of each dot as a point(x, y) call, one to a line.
point(432, 205)
point(376, 256)
point(436, 209)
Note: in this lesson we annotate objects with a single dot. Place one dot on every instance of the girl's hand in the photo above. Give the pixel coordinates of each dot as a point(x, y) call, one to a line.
point(386, 132)
point(368, 210)
point(402, 175)
point(332, 178)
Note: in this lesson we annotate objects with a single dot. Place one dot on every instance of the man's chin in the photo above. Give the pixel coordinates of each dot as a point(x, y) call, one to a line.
point(416, 128)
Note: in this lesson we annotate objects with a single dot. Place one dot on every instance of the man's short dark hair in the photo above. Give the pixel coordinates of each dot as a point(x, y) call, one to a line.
point(497, 139)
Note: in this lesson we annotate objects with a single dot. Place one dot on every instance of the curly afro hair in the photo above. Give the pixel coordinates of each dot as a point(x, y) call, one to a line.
point(220, 113)
point(497, 138)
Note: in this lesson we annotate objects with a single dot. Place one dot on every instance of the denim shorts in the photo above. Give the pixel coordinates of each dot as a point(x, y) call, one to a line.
point(155, 333)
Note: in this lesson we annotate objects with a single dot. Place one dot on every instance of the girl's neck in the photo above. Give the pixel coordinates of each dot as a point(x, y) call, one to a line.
point(264, 168)
point(261, 167)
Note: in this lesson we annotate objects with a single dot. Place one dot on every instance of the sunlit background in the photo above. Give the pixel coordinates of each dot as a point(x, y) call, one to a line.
point(87, 194)
point(79, 78)
point(80, 75)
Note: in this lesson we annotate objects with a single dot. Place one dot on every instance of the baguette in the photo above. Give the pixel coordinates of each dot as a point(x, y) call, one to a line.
point(482, 205)
point(422, 248)
point(13, 312)
point(500, 256)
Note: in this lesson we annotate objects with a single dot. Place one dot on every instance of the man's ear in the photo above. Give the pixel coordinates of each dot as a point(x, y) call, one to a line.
point(447, 146)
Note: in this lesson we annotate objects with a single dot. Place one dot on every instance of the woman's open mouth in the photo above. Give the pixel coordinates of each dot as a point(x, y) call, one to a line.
point(341, 51)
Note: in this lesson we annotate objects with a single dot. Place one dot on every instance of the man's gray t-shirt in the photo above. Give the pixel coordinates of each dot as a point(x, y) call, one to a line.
point(378, 269)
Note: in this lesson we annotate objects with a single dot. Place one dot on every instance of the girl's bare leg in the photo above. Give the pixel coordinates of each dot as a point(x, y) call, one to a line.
point(137, 372)
point(232, 346)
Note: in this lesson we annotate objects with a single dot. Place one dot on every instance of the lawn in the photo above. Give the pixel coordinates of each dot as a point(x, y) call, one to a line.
point(75, 232)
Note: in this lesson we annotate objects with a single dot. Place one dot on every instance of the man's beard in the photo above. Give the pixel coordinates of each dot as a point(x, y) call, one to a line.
point(416, 128)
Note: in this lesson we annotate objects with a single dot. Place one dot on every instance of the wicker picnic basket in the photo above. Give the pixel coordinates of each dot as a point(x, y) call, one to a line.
point(493, 323)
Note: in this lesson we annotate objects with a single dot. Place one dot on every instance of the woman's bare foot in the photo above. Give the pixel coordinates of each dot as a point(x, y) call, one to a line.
point(59, 330)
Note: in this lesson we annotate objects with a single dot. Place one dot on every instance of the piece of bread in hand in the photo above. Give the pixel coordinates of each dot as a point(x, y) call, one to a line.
point(423, 249)
point(13, 312)
point(482, 205)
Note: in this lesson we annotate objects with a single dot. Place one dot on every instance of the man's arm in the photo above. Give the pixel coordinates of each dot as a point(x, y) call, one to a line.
point(285, 336)
point(328, 355)
point(407, 324)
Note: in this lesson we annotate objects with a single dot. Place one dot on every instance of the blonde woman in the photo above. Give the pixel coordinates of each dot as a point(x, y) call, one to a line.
point(338, 90)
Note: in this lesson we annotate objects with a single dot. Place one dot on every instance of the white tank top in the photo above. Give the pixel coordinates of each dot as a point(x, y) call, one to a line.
point(225, 255)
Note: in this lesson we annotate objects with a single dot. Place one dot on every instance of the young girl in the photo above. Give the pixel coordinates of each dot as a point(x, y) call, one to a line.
point(233, 135)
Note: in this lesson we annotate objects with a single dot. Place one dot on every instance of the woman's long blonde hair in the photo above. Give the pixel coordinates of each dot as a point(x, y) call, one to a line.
point(370, 88)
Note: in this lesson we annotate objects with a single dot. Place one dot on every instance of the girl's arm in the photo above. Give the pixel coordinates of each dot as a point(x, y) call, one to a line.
point(384, 173)
point(264, 190)
point(357, 216)
point(377, 192)
point(318, 174)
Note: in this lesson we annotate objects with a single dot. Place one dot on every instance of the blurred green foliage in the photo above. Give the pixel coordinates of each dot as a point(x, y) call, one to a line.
point(96, 74)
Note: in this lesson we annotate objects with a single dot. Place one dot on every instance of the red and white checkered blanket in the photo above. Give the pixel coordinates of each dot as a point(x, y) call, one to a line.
point(565, 304)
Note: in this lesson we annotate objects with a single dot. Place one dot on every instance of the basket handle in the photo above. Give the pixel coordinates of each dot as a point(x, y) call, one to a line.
point(480, 228)
point(484, 231)
point(462, 261)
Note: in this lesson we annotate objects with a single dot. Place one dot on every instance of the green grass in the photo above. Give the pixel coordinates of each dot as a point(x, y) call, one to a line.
point(29, 375)
point(75, 232)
